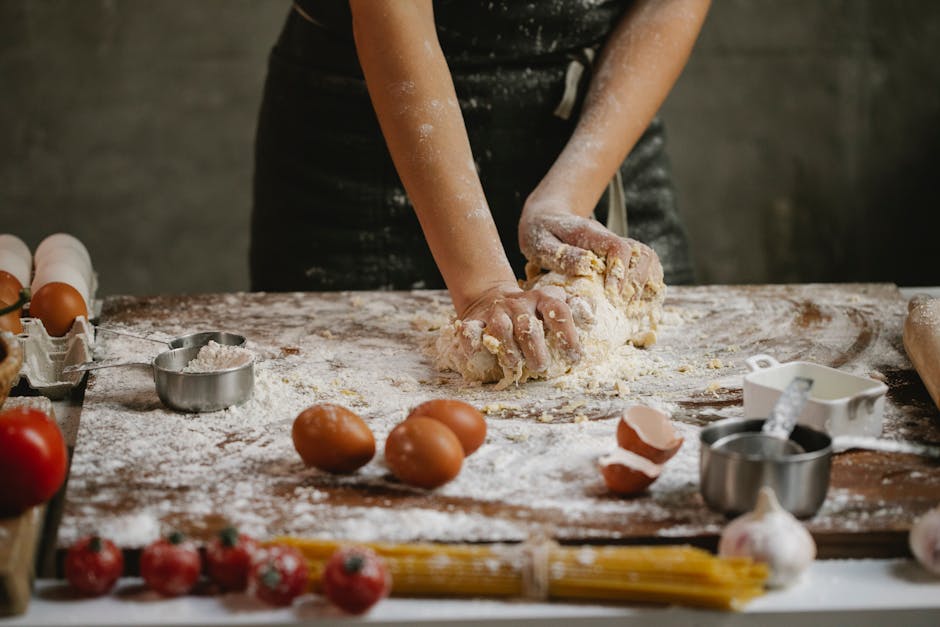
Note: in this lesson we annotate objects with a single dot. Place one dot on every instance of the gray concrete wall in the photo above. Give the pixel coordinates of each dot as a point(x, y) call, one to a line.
point(130, 124)
point(804, 136)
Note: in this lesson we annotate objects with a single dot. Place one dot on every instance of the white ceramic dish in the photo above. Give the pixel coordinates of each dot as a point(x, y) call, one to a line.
point(839, 403)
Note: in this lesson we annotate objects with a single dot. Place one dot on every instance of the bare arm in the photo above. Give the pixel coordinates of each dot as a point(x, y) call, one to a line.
point(635, 71)
point(414, 99)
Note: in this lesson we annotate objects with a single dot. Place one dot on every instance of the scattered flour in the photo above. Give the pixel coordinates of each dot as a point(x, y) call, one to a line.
point(140, 469)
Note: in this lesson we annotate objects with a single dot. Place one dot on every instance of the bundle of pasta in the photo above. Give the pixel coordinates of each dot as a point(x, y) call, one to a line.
point(540, 570)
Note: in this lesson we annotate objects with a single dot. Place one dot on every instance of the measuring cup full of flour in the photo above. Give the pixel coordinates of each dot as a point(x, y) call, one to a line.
point(204, 378)
point(196, 378)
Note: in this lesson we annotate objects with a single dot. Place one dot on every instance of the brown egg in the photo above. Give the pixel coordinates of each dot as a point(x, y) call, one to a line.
point(10, 321)
point(464, 420)
point(627, 473)
point(57, 305)
point(332, 438)
point(10, 287)
point(423, 452)
point(648, 432)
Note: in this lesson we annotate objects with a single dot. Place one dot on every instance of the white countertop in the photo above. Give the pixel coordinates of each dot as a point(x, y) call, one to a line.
point(858, 593)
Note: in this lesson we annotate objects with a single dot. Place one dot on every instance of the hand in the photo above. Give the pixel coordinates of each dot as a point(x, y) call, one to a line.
point(575, 246)
point(520, 320)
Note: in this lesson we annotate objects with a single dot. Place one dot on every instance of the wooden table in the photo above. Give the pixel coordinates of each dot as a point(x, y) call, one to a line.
point(363, 350)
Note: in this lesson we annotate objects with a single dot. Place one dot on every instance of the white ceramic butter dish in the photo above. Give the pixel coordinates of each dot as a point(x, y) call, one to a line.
point(839, 403)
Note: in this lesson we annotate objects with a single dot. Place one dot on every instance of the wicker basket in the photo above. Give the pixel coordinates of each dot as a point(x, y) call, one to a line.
point(11, 359)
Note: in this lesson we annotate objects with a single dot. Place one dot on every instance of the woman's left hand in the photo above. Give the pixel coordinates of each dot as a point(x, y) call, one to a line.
point(569, 244)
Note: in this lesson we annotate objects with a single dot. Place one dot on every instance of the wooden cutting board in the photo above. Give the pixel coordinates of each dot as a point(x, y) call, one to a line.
point(140, 469)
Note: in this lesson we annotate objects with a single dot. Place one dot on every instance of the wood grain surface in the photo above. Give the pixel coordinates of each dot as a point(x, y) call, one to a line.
point(708, 333)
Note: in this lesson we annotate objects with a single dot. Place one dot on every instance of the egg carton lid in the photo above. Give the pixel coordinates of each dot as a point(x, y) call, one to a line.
point(45, 356)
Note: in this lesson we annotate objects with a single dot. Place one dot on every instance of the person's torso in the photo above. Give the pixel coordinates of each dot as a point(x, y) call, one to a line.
point(485, 33)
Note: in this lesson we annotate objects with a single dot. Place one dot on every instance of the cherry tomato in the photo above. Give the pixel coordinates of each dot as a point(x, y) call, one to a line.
point(170, 565)
point(355, 579)
point(279, 575)
point(93, 565)
point(57, 305)
point(229, 557)
point(33, 459)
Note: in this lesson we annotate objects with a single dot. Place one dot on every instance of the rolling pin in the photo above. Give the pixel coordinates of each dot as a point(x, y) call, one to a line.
point(922, 341)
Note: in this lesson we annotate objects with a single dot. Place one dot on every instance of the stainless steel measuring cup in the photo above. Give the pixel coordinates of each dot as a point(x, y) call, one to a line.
point(774, 437)
point(200, 391)
point(730, 480)
point(189, 391)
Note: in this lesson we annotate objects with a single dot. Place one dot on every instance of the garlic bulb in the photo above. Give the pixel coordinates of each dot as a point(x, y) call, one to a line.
point(925, 540)
point(771, 535)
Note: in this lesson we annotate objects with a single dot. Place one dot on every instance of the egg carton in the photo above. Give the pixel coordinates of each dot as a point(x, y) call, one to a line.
point(45, 356)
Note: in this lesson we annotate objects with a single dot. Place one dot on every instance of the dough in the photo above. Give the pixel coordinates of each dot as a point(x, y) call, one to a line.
point(605, 321)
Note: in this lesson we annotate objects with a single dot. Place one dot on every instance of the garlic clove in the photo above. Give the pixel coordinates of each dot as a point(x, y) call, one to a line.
point(648, 432)
point(924, 540)
point(771, 535)
point(627, 473)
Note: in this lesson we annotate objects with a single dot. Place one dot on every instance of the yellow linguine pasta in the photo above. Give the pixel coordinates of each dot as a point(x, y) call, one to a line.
point(682, 575)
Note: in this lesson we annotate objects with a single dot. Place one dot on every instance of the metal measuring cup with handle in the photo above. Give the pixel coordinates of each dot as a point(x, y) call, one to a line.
point(191, 391)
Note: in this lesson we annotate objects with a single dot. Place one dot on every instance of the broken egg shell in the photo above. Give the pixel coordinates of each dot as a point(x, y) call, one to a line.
point(627, 473)
point(648, 432)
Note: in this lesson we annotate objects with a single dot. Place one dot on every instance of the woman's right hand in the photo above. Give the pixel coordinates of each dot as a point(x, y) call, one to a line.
point(521, 320)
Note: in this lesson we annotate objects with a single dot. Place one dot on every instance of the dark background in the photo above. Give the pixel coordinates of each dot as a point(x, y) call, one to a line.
point(804, 137)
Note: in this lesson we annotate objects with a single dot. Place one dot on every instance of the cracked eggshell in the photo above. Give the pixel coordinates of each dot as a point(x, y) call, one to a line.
point(648, 432)
point(627, 473)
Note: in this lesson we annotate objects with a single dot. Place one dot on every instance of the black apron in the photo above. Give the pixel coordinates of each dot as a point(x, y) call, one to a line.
point(330, 212)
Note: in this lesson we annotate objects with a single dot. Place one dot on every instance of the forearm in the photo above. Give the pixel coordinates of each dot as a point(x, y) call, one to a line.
point(414, 99)
point(634, 73)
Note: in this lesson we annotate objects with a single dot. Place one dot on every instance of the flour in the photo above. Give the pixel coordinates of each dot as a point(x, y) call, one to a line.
point(163, 469)
point(215, 357)
point(140, 469)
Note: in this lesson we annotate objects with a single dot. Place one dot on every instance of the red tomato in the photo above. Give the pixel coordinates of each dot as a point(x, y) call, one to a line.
point(280, 575)
point(170, 565)
point(93, 565)
point(33, 459)
point(355, 579)
point(229, 557)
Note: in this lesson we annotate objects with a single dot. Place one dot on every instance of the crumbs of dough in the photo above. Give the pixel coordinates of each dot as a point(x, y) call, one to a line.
point(713, 387)
point(605, 322)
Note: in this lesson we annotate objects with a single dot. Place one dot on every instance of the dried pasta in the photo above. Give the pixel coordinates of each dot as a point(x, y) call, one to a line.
point(682, 575)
